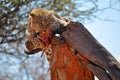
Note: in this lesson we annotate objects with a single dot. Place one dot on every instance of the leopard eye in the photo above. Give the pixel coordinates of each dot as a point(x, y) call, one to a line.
point(36, 34)
point(44, 22)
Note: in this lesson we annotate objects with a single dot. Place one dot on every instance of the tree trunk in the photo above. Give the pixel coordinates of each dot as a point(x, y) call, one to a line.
point(78, 37)
point(65, 64)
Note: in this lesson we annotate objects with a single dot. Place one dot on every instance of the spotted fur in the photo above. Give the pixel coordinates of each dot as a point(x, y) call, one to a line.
point(38, 37)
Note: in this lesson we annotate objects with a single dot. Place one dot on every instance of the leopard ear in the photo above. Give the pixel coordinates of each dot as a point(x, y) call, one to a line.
point(32, 15)
point(52, 13)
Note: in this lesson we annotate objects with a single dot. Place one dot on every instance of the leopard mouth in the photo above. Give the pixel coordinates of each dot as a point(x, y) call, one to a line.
point(33, 43)
point(37, 41)
point(40, 38)
point(30, 48)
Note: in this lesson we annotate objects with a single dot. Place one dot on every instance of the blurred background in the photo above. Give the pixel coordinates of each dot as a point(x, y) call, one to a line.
point(101, 18)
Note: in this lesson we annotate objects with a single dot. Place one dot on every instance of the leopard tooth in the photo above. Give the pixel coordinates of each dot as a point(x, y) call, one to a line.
point(27, 33)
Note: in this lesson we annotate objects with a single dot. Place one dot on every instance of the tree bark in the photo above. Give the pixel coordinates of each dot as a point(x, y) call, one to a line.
point(65, 64)
point(79, 38)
